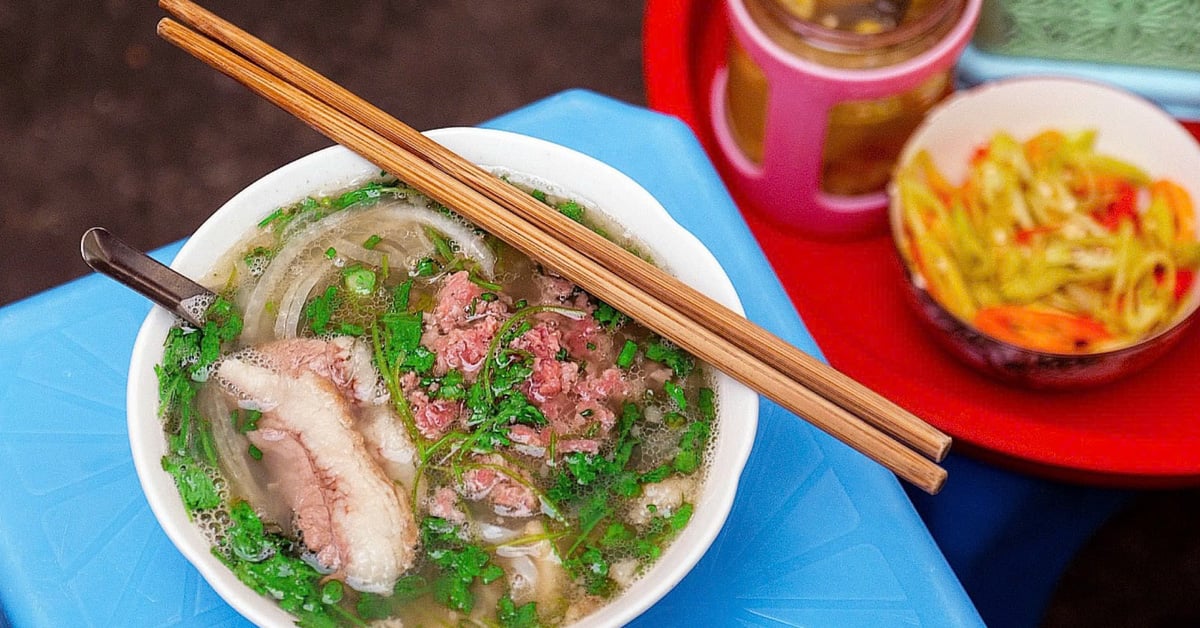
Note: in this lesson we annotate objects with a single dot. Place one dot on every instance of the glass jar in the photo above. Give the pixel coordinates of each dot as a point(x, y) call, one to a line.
point(863, 137)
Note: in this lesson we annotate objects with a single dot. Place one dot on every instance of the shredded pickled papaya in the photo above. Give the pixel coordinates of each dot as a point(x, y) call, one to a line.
point(1049, 244)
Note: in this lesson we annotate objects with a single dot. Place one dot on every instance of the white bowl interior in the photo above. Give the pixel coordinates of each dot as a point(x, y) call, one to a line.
point(1128, 127)
point(560, 170)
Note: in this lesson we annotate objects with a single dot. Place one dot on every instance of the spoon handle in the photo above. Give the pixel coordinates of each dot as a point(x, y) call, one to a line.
point(109, 255)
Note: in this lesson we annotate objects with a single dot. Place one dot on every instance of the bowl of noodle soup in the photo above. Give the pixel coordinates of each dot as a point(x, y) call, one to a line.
point(391, 417)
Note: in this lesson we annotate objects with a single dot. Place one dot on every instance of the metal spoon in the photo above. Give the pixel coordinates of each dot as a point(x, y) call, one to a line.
point(109, 255)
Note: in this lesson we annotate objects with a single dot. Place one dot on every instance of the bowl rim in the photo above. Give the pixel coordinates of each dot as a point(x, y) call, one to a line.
point(1143, 105)
point(328, 169)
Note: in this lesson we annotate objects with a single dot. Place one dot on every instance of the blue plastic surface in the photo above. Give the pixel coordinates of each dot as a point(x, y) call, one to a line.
point(998, 528)
point(1177, 91)
point(818, 536)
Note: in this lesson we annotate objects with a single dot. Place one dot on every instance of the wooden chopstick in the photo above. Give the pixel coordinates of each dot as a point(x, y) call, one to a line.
point(822, 378)
point(705, 343)
point(816, 375)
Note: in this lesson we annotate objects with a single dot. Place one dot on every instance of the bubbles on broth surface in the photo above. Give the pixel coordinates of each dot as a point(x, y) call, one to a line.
point(197, 305)
point(214, 522)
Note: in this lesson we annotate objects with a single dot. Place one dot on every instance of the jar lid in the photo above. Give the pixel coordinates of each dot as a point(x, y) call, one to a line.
point(862, 25)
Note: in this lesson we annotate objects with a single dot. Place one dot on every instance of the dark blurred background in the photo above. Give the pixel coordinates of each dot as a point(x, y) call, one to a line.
point(101, 123)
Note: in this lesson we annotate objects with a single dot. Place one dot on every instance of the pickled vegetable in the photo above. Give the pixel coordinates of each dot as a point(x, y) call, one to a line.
point(1050, 245)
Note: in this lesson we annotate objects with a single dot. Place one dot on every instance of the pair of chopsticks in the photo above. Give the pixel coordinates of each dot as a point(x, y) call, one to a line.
point(828, 399)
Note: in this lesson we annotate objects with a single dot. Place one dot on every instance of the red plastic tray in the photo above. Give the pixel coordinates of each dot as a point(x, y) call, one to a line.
point(1143, 431)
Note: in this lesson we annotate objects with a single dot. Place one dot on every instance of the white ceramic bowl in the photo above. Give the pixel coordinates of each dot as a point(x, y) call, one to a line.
point(554, 168)
point(1128, 127)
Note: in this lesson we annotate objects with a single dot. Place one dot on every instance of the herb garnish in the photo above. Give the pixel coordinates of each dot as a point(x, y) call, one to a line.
point(461, 564)
point(664, 351)
point(264, 562)
point(188, 355)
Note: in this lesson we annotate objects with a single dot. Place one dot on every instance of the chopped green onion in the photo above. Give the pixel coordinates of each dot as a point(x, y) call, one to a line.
point(628, 353)
point(332, 592)
point(426, 267)
point(359, 280)
point(676, 393)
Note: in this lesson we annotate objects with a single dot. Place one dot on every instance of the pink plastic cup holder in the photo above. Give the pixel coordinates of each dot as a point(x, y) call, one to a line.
point(785, 187)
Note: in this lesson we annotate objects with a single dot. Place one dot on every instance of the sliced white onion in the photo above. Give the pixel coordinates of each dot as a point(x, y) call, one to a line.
point(400, 223)
point(496, 534)
point(469, 243)
point(278, 270)
point(291, 306)
point(358, 253)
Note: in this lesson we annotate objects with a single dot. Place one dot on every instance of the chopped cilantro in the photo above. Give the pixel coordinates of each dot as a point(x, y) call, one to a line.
point(540, 195)
point(257, 254)
point(451, 386)
point(664, 351)
point(495, 400)
point(187, 355)
point(608, 316)
point(686, 461)
point(512, 616)
point(371, 242)
point(375, 606)
point(259, 559)
point(401, 342)
point(225, 316)
point(331, 252)
point(319, 311)
point(680, 519)
point(194, 481)
point(585, 467)
point(461, 564)
point(255, 452)
point(571, 210)
point(592, 568)
point(657, 474)
point(691, 445)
